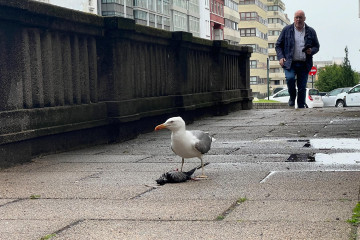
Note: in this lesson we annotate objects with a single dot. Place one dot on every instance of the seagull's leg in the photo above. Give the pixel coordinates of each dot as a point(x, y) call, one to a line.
point(202, 169)
point(182, 164)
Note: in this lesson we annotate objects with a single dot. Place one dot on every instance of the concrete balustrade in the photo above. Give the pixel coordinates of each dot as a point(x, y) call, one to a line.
point(70, 79)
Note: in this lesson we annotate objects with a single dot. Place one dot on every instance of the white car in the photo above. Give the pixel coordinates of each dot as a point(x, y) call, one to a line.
point(350, 98)
point(330, 98)
point(313, 98)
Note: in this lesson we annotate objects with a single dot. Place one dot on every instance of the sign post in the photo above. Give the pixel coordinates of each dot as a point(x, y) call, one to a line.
point(312, 72)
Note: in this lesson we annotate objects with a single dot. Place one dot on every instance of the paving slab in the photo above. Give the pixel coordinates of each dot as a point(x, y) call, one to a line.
point(285, 210)
point(154, 230)
point(253, 190)
point(132, 209)
point(29, 229)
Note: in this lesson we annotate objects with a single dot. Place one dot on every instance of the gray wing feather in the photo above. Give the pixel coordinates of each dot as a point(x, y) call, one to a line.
point(204, 143)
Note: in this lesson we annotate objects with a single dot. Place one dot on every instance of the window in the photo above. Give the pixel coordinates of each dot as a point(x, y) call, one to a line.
point(253, 80)
point(230, 24)
point(253, 63)
point(151, 5)
point(109, 1)
point(273, 58)
point(140, 15)
point(274, 70)
point(158, 6)
point(151, 17)
point(112, 13)
point(276, 20)
point(180, 3)
point(248, 16)
point(271, 45)
point(180, 20)
point(159, 20)
point(274, 8)
point(257, 48)
point(194, 25)
point(140, 3)
point(193, 6)
point(256, 2)
point(231, 4)
point(166, 7)
point(274, 32)
point(252, 16)
point(248, 32)
point(355, 89)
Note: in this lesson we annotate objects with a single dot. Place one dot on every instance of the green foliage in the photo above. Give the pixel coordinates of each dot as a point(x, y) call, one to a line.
point(337, 76)
point(355, 219)
point(329, 78)
point(35, 196)
point(265, 101)
point(48, 236)
point(241, 200)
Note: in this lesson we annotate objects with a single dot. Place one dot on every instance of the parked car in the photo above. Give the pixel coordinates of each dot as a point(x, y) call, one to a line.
point(330, 98)
point(323, 93)
point(278, 89)
point(350, 98)
point(313, 98)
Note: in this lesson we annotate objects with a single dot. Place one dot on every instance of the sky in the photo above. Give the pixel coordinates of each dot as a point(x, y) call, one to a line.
point(337, 25)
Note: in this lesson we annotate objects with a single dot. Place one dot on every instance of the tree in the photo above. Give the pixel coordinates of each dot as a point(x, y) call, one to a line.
point(337, 76)
point(329, 78)
point(348, 75)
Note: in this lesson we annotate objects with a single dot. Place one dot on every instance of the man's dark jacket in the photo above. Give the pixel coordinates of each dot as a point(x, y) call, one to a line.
point(286, 43)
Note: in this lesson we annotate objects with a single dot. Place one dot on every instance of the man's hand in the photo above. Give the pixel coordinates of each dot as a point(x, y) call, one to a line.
point(308, 51)
point(282, 62)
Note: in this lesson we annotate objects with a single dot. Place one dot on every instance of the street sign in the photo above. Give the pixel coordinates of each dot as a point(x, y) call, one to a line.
point(313, 71)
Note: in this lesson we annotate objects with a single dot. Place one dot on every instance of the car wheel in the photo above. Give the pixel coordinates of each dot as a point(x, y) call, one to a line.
point(340, 104)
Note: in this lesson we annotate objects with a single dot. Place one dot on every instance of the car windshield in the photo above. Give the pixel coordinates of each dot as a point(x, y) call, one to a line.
point(335, 92)
point(282, 93)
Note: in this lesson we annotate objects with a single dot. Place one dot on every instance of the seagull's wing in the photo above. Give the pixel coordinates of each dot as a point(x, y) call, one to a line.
point(204, 141)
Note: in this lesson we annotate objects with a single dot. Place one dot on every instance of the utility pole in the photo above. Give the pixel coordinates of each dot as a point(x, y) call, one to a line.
point(268, 79)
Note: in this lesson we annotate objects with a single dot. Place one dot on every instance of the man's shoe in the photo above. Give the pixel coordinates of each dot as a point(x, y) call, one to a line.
point(291, 103)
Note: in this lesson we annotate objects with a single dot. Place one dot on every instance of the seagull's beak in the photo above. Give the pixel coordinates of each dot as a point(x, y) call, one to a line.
point(159, 127)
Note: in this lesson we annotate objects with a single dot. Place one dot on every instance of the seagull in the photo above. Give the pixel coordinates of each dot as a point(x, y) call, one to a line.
point(187, 144)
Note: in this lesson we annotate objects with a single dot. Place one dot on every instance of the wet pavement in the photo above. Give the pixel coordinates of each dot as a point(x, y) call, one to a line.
point(273, 174)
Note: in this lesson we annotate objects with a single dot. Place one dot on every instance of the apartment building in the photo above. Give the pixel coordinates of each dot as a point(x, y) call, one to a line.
point(185, 16)
point(217, 19)
point(120, 8)
point(277, 20)
point(89, 6)
point(231, 21)
point(253, 28)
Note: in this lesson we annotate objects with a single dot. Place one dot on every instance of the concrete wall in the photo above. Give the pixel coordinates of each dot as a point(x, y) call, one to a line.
point(70, 79)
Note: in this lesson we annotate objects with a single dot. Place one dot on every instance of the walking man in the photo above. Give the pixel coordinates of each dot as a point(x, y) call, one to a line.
point(295, 48)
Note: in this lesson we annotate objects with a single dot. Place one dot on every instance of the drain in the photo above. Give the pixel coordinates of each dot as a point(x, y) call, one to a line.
point(302, 157)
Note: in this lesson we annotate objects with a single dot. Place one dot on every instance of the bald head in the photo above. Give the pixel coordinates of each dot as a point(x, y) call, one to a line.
point(299, 19)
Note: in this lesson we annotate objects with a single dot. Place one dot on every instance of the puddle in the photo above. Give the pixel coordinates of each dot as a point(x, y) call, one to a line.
point(302, 157)
point(338, 158)
point(323, 158)
point(336, 143)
